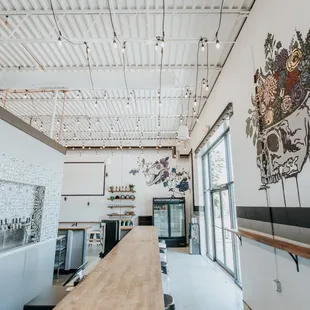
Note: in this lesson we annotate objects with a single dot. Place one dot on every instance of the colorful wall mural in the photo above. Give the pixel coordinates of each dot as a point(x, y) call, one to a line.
point(159, 172)
point(279, 121)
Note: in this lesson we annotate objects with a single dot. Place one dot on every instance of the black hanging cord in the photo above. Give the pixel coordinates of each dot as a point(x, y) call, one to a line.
point(163, 22)
point(112, 24)
point(125, 77)
point(220, 20)
point(87, 56)
point(197, 59)
point(59, 31)
point(207, 64)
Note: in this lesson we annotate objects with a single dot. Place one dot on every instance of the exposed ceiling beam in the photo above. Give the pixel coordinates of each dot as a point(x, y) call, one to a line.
point(197, 11)
point(129, 40)
point(91, 100)
point(120, 117)
point(131, 68)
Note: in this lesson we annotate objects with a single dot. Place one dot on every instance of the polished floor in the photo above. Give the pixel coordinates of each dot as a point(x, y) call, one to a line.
point(200, 284)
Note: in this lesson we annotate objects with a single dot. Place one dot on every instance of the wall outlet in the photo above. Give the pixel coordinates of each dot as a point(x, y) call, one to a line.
point(277, 285)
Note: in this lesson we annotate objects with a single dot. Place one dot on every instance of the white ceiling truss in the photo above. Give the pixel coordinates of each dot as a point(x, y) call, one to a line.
point(77, 92)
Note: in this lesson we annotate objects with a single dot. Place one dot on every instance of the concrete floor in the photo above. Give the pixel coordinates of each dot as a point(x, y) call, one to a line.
point(200, 284)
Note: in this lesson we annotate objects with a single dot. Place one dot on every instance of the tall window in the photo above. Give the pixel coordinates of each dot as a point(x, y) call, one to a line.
point(220, 208)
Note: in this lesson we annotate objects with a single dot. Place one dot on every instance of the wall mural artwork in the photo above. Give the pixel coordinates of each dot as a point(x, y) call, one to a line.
point(279, 121)
point(177, 182)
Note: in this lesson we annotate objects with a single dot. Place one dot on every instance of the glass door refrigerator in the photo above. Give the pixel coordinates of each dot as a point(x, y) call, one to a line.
point(169, 218)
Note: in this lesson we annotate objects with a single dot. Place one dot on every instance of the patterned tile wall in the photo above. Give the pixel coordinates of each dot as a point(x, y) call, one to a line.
point(19, 171)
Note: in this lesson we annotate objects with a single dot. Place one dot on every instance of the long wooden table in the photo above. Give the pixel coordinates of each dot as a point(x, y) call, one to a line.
point(128, 278)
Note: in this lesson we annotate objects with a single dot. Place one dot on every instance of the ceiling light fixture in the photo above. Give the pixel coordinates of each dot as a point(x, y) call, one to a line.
point(156, 46)
point(59, 41)
point(114, 43)
point(217, 42)
point(124, 47)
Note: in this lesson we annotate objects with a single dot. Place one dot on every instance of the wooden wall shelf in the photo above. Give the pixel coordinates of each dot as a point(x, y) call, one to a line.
point(120, 215)
point(115, 207)
point(121, 199)
point(122, 191)
point(291, 247)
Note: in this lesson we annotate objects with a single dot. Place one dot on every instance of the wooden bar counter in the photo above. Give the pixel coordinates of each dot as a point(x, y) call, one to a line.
point(128, 278)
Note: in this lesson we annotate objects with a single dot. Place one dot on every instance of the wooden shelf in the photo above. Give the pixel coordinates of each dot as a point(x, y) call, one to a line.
point(115, 207)
point(123, 191)
point(121, 215)
point(126, 227)
point(288, 246)
point(121, 199)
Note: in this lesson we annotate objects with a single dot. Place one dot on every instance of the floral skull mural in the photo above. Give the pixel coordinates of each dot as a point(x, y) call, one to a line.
point(159, 172)
point(279, 123)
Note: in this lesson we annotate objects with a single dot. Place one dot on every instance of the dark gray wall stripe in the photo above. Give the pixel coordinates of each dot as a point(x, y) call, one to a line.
point(288, 216)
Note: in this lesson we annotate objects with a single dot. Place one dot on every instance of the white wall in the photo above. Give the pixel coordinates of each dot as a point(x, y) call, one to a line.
point(236, 85)
point(76, 209)
point(28, 270)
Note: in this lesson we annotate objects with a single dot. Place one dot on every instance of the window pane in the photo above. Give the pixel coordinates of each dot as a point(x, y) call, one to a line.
point(218, 164)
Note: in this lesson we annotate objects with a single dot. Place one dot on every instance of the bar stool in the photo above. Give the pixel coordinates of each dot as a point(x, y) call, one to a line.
point(169, 302)
point(163, 257)
point(166, 283)
point(163, 251)
point(94, 237)
point(164, 267)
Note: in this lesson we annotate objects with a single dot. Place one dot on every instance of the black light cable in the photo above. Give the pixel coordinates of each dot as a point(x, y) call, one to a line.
point(217, 42)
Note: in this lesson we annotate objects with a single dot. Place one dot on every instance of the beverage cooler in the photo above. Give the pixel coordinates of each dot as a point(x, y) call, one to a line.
point(169, 218)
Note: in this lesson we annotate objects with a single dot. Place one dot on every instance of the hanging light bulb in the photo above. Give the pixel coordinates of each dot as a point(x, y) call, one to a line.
point(197, 119)
point(181, 119)
point(87, 49)
point(156, 46)
point(195, 101)
point(96, 103)
point(59, 41)
point(105, 95)
point(117, 120)
point(202, 47)
point(162, 44)
point(25, 94)
point(83, 147)
point(73, 148)
point(207, 86)
point(35, 121)
point(78, 95)
point(41, 126)
point(89, 128)
point(77, 120)
point(114, 43)
point(217, 43)
point(98, 120)
point(158, 94)
point(127, 105)
point(124, 47)
point(159, 102)
point(203, 83)
point(65, 127)
point(56, 121)
point(89, 148)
